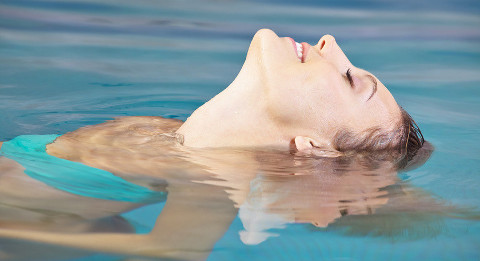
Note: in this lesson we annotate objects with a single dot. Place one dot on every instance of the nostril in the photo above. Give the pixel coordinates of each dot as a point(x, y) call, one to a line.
point(322, 44)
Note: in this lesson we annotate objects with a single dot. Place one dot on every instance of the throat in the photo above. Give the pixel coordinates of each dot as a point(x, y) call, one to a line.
point(229, 120)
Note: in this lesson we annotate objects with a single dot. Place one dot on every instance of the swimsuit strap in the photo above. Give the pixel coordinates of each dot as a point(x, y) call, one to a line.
point(73, 177)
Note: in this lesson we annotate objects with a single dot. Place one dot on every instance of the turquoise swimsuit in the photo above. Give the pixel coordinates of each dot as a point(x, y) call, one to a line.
point(73, 177)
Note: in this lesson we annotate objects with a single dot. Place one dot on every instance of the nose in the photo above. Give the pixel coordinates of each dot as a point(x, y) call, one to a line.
point(328, 48)
point(326, 42)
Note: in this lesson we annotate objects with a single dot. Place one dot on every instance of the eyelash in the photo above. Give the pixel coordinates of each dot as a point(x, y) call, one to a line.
point(349, 76)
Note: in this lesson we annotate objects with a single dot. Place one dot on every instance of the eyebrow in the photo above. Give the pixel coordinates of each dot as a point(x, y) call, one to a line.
point(375, 83)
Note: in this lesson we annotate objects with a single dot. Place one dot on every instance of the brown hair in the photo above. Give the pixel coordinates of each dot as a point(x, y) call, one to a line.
point(402, 144)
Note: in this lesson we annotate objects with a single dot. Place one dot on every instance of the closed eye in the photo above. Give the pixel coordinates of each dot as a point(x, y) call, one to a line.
point(349, 76)
point(374, 84)
point(370, 77)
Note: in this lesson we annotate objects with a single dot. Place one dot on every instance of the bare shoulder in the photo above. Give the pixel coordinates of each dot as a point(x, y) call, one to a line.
point(131, 125)
point(123, 132)
point(126, 127)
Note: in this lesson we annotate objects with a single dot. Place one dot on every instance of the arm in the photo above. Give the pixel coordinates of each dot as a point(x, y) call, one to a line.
point(192, 221)
point(194, 217)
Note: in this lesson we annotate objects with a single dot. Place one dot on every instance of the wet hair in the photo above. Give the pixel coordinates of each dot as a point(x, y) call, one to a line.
point(400, 145)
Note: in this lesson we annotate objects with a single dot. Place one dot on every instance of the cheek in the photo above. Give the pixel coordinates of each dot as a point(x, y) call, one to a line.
point(305, 99)
point(332, 106)
point(326, 96)
point(285, 102)
point(309, 96)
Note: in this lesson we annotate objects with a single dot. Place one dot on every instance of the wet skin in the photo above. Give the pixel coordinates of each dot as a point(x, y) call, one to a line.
point(205, 189)
point(277, 97)
point(275, 101)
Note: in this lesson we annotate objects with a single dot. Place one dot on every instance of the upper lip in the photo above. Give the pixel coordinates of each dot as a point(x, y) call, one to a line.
point(305, 47)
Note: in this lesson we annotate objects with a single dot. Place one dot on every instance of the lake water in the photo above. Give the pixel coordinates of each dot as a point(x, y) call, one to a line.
point(68, 64)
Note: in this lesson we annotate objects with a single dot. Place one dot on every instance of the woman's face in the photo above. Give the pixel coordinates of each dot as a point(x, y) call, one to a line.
point(315, 91)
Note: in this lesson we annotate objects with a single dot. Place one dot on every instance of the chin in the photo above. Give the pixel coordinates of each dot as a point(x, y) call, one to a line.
point(262, 43)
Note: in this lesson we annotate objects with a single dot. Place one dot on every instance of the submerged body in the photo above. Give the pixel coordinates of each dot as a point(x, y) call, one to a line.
point(267, 146)
point(206, 189)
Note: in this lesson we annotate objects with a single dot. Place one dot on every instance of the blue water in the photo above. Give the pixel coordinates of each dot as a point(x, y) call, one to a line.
point(68, 64)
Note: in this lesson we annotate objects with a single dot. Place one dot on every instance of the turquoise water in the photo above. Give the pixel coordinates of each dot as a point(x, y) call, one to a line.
point(68, 64)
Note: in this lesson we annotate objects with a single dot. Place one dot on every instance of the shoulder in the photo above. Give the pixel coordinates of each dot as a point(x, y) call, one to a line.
point(127, 126)
point(122, 124)
point(123, 132)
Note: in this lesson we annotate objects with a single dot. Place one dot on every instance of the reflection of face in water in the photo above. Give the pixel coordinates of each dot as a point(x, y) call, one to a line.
point(317, 191)
point(207, 188)
point(276, 98)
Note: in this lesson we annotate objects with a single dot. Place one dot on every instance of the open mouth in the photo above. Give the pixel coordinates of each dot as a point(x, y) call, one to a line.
point(300, 50)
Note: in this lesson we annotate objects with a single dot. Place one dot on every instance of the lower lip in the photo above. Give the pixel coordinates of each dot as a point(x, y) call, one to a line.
point(294, 46)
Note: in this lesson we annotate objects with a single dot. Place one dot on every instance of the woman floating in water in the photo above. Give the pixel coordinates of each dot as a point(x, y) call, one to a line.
point(300, 136)
point(309, 98)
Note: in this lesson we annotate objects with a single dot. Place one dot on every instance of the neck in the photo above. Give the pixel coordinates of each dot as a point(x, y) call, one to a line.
point(236, 117)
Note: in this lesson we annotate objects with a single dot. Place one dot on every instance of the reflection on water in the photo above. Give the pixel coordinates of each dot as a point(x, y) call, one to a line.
point(207, 189)
point(69, 64)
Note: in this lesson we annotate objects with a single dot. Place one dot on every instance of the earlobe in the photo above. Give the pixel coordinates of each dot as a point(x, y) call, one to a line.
point(303, 144)
point(306, 145)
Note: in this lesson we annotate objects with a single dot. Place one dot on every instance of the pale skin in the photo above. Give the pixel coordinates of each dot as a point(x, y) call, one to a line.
point(277, 101)
point(201, 202)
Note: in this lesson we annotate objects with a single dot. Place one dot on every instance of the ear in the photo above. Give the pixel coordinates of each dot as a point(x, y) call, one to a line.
point(306, 145)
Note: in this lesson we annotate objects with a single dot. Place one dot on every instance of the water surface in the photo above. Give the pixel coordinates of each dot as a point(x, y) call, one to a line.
point(68, 64)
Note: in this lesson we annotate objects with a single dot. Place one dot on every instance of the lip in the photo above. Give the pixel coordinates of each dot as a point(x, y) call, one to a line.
point(305, 47)
point(294, 47)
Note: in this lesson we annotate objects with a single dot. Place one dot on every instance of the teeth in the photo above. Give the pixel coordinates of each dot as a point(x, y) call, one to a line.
point(299, 50)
